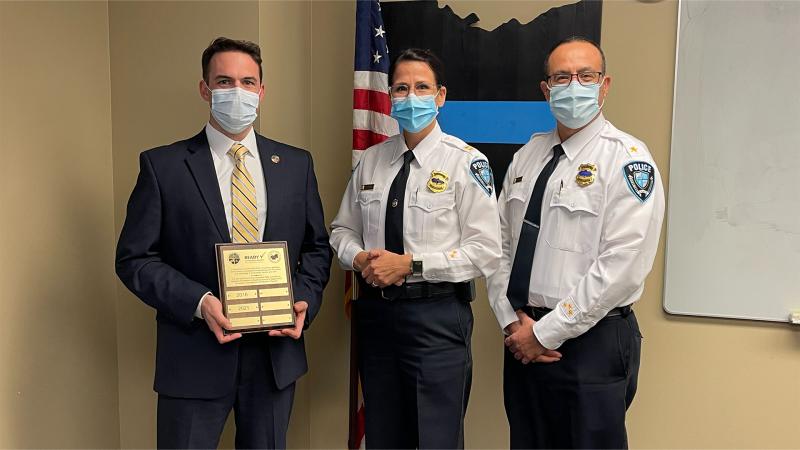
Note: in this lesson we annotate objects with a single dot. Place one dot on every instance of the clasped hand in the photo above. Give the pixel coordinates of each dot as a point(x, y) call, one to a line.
point(524, 344)
point(382, 268)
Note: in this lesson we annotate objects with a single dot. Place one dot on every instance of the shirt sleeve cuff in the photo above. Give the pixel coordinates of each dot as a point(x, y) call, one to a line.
point(349, 256)
point(432, 265)
point(198, 311)
point(504, 313)
point(549, 331)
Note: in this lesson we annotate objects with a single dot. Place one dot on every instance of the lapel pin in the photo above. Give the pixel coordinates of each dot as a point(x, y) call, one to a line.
point(276, 159)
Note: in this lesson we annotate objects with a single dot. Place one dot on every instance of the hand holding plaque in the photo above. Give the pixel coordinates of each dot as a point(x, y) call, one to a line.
point(300, 309)
point(215, 319)
point(255, 286)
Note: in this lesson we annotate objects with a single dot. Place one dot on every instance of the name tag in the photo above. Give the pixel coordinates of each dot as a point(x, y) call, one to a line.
point(517, 180)
point(367, 187)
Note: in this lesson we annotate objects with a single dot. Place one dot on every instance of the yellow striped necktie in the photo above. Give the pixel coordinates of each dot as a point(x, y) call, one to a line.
point(244, 212)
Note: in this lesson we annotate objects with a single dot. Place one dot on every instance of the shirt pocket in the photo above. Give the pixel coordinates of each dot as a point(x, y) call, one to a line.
point(431, 216)
point(516, 200)
point(370, 203)
point(574, 222)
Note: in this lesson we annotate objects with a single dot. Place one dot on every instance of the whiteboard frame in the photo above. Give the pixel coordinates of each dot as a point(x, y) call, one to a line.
point(665, 286)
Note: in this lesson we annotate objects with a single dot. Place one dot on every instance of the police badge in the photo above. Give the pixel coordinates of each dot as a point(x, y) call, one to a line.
point(640, 177)
point(438, 181)
point(482, 174)
point(586, 173)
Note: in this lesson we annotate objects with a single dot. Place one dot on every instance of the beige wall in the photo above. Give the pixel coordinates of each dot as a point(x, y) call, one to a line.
point(333, 35)
point(58, 369)
point(81, 366)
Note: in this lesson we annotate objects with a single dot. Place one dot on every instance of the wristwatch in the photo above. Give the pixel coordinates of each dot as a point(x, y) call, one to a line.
point(416, 265)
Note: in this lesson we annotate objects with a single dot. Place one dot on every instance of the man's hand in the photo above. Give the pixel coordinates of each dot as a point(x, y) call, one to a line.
point(300, 308)
point(524, 344)
point(216, 321)
point(385, 268)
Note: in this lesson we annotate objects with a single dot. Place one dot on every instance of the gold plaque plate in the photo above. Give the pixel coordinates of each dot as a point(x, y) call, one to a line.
point(255, 284)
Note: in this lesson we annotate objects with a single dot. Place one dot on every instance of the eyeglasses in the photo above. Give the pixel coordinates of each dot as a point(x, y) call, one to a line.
point(402, 90)
point(584, 78)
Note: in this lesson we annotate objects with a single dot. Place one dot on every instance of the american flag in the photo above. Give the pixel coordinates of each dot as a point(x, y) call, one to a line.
point(371, 125)
point(371, 103)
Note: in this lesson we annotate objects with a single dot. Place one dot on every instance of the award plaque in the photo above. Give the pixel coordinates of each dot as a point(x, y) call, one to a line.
point(255, 286)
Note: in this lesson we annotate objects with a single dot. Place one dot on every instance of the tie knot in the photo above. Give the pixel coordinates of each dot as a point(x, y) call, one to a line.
point(408, 156)
point(238, 151)
point(558, 150)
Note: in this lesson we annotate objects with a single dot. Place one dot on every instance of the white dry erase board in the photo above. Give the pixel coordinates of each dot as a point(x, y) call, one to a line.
point(733, 223)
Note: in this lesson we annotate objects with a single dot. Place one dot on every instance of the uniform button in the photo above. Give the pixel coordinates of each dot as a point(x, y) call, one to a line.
point(430, 205)
point(572, 204)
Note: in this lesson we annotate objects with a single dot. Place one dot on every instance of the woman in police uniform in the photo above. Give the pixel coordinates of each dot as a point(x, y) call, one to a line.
point(418, 221)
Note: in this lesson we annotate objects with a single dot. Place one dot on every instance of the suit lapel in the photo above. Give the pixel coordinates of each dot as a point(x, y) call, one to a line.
point(266, 152)
point(202, 167)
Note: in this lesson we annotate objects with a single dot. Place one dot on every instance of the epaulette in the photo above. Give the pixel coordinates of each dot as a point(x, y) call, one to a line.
point(541, 133)
point(634, 147)
point(458, 143)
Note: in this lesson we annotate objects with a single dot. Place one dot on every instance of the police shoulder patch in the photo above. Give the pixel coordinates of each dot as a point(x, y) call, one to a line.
point(641, 178)
point(482, 174)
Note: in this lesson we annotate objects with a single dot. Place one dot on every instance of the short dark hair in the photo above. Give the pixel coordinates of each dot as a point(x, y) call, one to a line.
point(422, 55)
point(567, 41)
point(223, 44)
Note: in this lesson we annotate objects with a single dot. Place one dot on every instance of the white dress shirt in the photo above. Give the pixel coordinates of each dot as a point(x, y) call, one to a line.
point(224, 165)
point(596, 243)
point(455, 231)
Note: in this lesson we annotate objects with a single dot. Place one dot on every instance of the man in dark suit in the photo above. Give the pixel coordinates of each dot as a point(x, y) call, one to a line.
point(226, 184)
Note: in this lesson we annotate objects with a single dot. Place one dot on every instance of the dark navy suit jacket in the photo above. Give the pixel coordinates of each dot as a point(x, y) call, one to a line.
point(165, 256)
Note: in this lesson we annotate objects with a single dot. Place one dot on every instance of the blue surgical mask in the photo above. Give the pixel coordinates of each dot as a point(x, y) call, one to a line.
point(414, 113)
point(235, 109)
point(575, 105)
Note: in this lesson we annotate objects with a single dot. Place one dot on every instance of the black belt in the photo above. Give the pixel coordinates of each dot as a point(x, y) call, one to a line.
point(409, 291)
point(537, 312)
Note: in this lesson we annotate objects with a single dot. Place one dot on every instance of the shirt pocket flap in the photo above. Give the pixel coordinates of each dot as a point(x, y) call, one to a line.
point(366, 197)
point(518, 191)
point(430, 202)
point(577, 200)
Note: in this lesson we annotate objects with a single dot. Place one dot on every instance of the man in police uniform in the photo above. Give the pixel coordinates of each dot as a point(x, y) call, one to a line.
point(581, 211)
